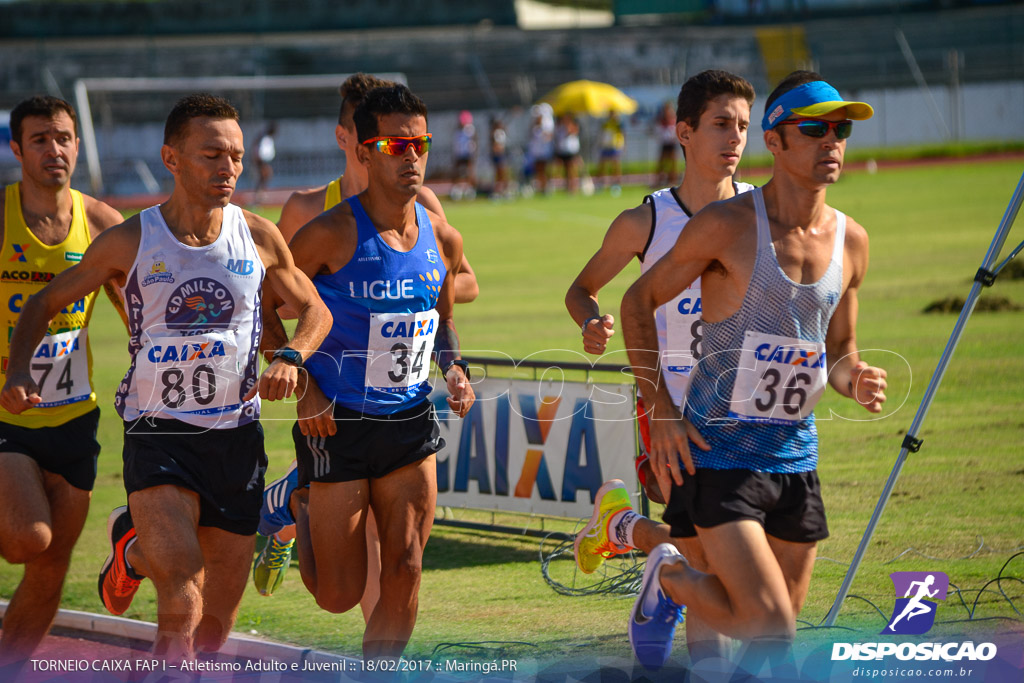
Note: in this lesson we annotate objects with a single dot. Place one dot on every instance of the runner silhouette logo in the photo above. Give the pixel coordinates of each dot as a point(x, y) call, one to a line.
point(914, 612)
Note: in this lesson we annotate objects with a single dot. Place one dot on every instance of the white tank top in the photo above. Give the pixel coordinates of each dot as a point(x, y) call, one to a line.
point(678, 322)
point(194, 324)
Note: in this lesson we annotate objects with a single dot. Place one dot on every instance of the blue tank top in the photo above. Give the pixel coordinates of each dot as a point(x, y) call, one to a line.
point(752, 393)
point(376, 358)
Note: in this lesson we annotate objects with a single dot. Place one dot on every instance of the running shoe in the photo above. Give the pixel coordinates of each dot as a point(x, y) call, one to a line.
point(652, 623)
point(593, 545)
point(271, 564)
point(274, 513)
point(118, 582)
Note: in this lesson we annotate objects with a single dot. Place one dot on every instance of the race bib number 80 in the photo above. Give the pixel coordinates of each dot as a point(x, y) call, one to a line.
point(198, 374)
point(399, 349)
point(779, 379)
point(60, 367)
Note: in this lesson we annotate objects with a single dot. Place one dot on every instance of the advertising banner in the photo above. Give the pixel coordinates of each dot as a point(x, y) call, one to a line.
point(536, 446)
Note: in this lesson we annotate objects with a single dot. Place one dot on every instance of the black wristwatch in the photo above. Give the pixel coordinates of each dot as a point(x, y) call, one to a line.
point(288, 355)
point(461, 363)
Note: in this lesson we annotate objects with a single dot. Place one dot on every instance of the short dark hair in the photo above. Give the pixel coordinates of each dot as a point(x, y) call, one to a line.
point(39, 105)
point(194, 106)
point(706, 86)
point(392, 99)
point(353, 91)
point(793, 80)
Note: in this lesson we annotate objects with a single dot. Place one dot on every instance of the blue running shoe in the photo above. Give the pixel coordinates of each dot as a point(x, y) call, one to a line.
point(652, 623)
point(274, 513)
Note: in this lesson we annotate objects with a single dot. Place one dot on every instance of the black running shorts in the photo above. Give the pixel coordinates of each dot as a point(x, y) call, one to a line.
point(70, 449)
point(224, 466)
point(368, 446)
point(788, 506)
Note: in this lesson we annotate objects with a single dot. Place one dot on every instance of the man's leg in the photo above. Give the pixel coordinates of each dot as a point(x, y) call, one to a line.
point(225, 573)
point(745, 595)
point(334, 522)
point(167, 551)
point(371, 594)
point(41, 507)
point(403, 503)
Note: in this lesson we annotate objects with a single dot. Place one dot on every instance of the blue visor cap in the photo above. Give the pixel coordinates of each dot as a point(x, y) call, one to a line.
point(813, 99)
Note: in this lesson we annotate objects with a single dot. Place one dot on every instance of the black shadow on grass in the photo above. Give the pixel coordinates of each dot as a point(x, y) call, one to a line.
point(454, 549)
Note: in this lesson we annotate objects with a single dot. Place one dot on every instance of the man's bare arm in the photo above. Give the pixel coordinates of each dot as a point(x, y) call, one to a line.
point(102, 217)
point(625, 239)
point(446, 341)
point(467, 289)
point(301, 208)
point(109, 257)
point(848, 374)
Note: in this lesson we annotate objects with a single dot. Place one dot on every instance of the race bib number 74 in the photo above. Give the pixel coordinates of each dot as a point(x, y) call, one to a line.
point(779, 379)
point(60, 367)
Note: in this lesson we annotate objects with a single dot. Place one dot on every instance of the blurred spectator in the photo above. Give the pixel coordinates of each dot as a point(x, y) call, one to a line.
point(567, 149)
point(265, 153)
point(499, 156)
point(541, 143)
point(613, 141)
point(465, 158)
point(665, 131)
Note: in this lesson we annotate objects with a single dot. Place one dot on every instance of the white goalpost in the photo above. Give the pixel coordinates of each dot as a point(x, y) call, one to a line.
point(86, 86)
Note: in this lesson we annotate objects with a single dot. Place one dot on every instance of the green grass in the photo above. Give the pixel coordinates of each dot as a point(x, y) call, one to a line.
point(929, 227)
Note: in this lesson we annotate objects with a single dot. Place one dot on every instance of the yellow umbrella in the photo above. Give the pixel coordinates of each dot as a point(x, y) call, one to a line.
point(589, 97)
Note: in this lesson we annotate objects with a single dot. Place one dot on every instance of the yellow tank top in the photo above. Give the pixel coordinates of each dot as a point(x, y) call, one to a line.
point(333, 195)
point(62, 363)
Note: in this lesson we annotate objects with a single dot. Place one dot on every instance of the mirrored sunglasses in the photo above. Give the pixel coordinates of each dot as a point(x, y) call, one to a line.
point(396, 146)
point(818, 128)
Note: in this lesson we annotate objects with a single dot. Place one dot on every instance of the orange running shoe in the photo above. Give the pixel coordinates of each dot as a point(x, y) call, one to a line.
point(118, 582)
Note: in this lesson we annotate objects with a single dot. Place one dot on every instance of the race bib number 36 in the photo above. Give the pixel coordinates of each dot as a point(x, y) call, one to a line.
point(399, 349)
point(683, 329)
point(60, 366)
point(779, 379)
point(197, 374)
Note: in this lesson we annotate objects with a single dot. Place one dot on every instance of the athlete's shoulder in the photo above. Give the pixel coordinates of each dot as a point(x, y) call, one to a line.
point(856, 240)
point(631, 230)
point(429, 200)
point(306, 201)
point(100, 215)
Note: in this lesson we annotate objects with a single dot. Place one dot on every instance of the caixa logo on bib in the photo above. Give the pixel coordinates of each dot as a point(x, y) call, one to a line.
point(200, 303)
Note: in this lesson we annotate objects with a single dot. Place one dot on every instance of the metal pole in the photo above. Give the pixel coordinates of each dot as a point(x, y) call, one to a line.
point(92, 155)
point(908, 55)
point(911, 443)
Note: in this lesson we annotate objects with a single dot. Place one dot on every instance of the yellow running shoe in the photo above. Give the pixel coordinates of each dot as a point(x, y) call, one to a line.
point(593, 545)
point(271, 564)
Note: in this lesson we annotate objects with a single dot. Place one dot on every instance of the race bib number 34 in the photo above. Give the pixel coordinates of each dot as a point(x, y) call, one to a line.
point(399, 349)
point(779, 379)
point(60, 367)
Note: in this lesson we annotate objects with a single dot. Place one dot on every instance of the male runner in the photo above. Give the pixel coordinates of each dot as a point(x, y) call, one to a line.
point(713, 114)
point(779, 272)
point(384, 264)
point(47, 456)
point(191, 273)
point(305, 205)
point(302, 207)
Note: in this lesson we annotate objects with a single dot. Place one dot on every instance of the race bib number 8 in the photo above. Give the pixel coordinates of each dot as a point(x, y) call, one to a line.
point(399, 349)
point(197, 374)
point(779, 379)
point(683, 329)
point(60, 366)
